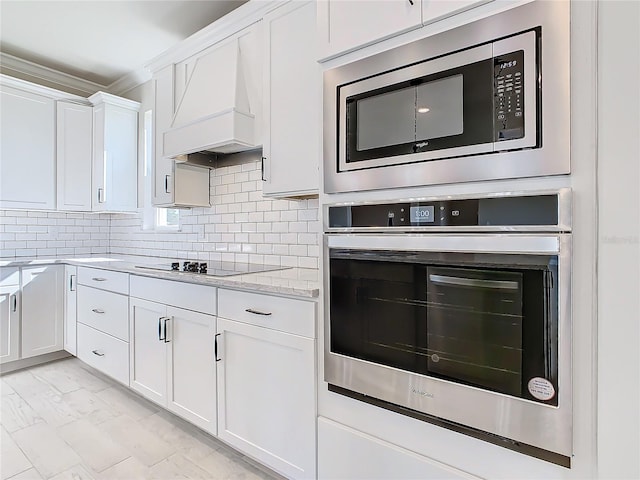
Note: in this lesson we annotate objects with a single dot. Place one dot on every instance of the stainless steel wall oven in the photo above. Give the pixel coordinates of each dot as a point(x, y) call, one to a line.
point(456, 311)
point(488, 100)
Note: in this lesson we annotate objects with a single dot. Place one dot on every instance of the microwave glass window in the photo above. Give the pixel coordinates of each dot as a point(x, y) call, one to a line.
point(386, 119)
point(429, 110)
point(439, 108)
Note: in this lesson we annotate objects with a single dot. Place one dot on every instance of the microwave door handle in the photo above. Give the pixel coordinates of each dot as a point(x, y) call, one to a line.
point(473, 282)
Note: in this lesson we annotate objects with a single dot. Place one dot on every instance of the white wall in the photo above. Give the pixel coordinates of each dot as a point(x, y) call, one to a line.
point(618, 245)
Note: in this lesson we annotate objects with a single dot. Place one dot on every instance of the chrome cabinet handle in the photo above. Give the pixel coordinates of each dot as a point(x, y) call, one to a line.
point(96, 352)
point(257, 312)
point(101, 195)
point(97, 310)
point(166, 319)
point(99, 279)
point(166, 184)
point(411, 2)
point(14, 303)
point(72, 287)
point(160, 338)
point(262, 170)
point(215, 347)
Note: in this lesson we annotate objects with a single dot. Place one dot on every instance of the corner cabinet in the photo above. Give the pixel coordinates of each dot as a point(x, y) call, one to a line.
point(174, 184)
point(115, 153)
point(42, 310)
point(9, 315)
point(266, 379)
point(292, 87)
point(172, 349)
point(27, 149)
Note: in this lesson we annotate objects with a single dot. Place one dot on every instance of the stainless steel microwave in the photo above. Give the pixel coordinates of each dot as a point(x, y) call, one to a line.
point(489, 100)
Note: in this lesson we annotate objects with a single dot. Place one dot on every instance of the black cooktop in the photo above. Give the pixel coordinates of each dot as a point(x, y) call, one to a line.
point(214, 269)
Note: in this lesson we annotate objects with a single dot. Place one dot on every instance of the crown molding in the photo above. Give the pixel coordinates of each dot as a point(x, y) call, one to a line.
point(52, 77)
point(9, 81)
point(103, 97)
point(129, 81)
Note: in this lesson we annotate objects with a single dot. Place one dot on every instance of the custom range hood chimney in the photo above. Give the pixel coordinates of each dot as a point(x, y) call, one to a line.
point(214, 113)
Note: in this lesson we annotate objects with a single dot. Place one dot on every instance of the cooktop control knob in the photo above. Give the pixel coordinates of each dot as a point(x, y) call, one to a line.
point(175, 266)
point(185, 266)
point(203, 267)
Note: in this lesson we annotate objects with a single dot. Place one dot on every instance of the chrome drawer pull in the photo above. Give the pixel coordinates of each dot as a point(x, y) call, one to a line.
point(97, 310)
point(99, 279)
point(257, 312)
point(96, 352)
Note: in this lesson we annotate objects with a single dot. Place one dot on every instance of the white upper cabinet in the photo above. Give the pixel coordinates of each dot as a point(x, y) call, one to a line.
point(174, 184)
point(344, 25)
point(292, 87)
point(27, 150)
point(115, 153)
point(433, 10)
point(74, 129)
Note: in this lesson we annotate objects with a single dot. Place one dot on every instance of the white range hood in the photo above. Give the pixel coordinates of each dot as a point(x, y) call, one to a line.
point(214, 113)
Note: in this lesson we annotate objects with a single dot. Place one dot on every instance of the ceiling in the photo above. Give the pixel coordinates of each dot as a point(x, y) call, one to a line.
point(99, 41)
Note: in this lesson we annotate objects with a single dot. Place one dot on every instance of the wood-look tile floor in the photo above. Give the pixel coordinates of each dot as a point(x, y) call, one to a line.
point(64, 420)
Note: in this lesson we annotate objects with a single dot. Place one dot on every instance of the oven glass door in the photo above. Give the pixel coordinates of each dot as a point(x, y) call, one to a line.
point(485, 320)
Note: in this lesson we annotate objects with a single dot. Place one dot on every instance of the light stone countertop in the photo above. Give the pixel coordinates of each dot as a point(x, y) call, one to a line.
point(300, 282)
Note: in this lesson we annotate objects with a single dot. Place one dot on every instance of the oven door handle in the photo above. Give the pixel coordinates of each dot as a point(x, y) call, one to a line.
point(473, 282)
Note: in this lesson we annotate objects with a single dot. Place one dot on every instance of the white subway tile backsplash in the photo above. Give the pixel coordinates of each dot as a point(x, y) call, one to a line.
point(241, 225)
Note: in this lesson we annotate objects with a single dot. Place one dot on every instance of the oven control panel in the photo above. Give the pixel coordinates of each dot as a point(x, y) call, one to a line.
point(480, 212)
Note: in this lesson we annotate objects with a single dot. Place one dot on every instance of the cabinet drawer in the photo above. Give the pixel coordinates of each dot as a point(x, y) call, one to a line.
point(104, 352)
point(283, 314)
point(104, 311)
point(104, 279)
point(197, 298)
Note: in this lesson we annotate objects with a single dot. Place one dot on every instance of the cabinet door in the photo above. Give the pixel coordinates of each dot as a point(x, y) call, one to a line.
point(42, 310)
point(74, 130)
point(27, 149)
point(9, 315)
point(148, 351)
point(266, 396)
point(345, 25)
point(163, 179)
point(291, 111)
point(433, 10)
point(115, 158)
point(70, 308)
point(192, 367)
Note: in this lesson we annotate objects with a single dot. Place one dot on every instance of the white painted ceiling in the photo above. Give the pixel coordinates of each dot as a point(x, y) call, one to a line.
point(101, 41)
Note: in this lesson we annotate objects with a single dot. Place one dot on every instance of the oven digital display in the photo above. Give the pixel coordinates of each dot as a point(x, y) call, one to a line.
point(422, 214)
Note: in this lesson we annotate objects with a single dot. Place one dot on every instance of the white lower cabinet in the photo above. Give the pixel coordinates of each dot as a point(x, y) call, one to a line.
point(9, 315)
point(70, 308)
point(42, 310)
point(172, 352)
point(266, 380)
point(347, 453)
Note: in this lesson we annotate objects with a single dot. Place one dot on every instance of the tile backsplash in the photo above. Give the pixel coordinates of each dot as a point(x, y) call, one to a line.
point(32, 233)
point(241, 225)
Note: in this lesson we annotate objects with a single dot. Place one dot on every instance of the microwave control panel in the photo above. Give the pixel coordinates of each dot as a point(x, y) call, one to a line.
point(508, 89)
point(494, 212)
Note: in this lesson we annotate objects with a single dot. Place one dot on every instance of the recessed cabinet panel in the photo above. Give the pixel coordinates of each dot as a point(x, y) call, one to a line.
point(9, 315)
point(291, 108)
point(345, 25)
point(42, 310)
point(74, 129)
point(433, 10)
point(27, 149)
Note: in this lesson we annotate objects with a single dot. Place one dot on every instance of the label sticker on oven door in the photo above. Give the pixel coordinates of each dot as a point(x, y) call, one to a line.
point(541, 388)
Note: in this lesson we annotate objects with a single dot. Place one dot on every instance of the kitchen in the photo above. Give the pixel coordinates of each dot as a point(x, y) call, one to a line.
point(269, 212)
